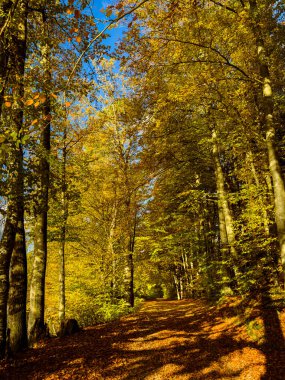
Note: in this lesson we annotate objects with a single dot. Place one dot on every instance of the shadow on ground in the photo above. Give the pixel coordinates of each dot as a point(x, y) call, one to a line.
point(166, 340)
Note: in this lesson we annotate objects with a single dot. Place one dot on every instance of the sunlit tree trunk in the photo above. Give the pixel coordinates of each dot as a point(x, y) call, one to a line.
point(37, 288)
point(251, 163)
point(15, 170)
point(111, 247)
point(222, 198)
point(64, 211)
point(267, 108)
point(226, 225)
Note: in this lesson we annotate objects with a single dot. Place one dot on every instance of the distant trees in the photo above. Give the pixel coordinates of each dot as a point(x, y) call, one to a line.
point(210, 77)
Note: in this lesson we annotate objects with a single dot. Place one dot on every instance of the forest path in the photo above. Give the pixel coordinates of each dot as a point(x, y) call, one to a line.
point(164, 340)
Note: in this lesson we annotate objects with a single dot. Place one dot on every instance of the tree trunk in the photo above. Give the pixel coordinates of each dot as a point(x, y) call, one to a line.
point(18, 291)
point(5, 8)
point(267, 108)
point(111, 247)
point(14, 165)
point(64, 206)
point(36, 324)
point(129, 267)
point(226, 220)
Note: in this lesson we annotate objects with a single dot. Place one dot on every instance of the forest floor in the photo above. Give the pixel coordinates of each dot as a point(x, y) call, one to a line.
point(164, 340)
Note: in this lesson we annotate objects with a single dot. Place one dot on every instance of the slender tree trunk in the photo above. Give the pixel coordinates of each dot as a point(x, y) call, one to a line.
point(129, 265)
point(267, 108)
point(36, 325)
point(5, 9)
point(226, 220)
point(64, 205)
point(111, 247)
point(15, 165)
point(250, 160)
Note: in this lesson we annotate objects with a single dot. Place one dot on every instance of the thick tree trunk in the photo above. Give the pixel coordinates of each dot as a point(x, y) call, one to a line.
point(6, 249)
point(15, 166)
point(267, 108)
point(18, 291)
point(36, 325)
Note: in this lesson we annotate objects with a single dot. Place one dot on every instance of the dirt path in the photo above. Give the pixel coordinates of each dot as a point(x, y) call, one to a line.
point(166, 340)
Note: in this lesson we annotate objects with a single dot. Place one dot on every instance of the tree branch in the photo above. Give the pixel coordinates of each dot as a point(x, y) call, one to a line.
point(224, 6)
point(226, 60)
point(100, 34)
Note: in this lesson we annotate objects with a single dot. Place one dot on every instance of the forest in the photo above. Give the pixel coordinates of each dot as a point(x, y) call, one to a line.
point(149, 167)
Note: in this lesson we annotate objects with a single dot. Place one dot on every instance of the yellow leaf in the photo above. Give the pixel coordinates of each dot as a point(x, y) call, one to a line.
point(8, 104)
point(78, 39)
point(53, 95)
point(29, 102)
point(34, 122)
point(37, 104)
point(36, 96)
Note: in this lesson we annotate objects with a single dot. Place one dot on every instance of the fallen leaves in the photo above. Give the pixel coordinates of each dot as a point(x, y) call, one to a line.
point(166, 339)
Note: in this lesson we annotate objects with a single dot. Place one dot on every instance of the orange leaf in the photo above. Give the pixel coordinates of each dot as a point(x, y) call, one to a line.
point(36, 96)
point(67, 104)
point(37, 104)
point(78, 39)
point(29, 102)
point(69, 11)
point(34, 122)
point(109, 12)
point(8, 104)
point(42, 98)
point(119, 6)
point(76, 13)
point(53, 95)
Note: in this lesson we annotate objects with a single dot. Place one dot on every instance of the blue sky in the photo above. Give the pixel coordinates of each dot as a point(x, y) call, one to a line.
point(115, 33)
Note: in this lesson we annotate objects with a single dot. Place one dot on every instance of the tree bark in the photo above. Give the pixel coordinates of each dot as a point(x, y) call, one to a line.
point(18, 291)
point(15, 164)
point(64, 206)
point(36, 324)
point(226, 225)
point(267, 108)
point(227, 220)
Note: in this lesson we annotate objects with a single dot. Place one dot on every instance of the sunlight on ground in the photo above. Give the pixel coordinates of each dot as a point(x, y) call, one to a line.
point(245, 364)
point(168, 371)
